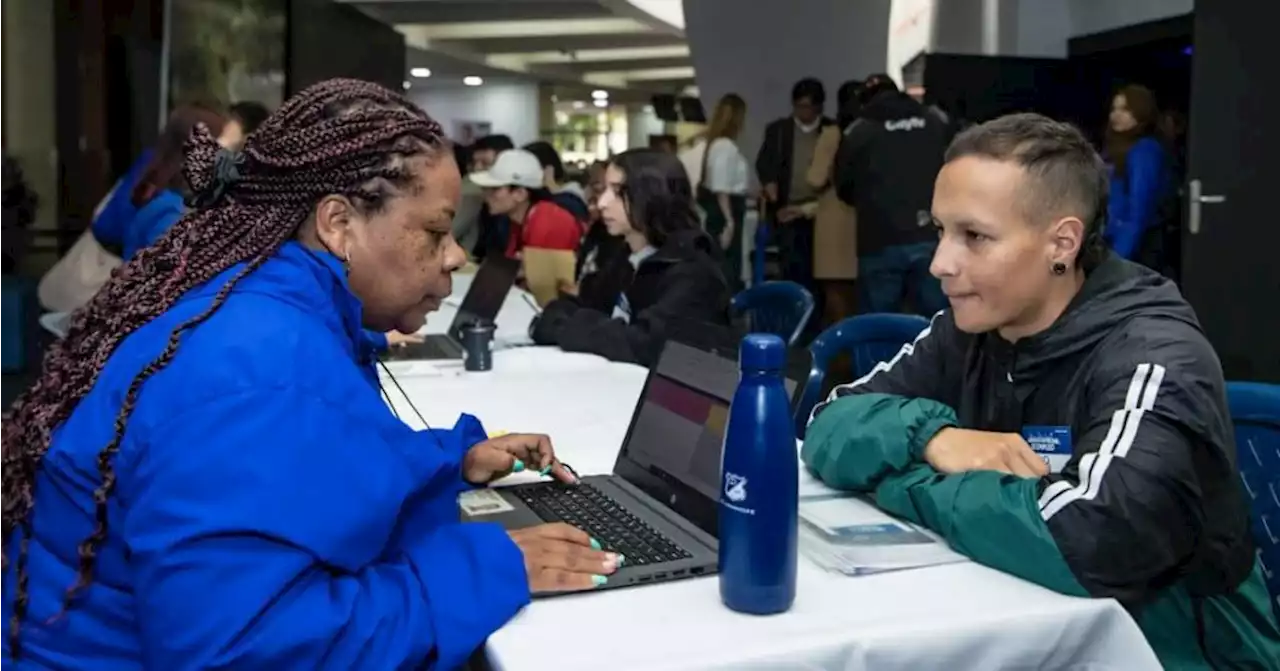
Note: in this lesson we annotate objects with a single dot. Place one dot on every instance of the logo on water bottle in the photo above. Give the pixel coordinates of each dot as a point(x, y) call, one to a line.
point(735, 487)
point(735, 492)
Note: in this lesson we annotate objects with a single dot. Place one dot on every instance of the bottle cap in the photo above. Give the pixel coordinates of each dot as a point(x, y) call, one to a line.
point(762, 351)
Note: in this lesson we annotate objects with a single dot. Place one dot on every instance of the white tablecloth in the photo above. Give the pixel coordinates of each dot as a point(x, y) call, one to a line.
point(953, 617)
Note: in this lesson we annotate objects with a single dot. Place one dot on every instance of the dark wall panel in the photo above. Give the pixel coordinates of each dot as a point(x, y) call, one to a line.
point(328, 39)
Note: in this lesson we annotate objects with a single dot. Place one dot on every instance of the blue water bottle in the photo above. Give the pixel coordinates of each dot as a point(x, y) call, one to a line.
point(759, 485)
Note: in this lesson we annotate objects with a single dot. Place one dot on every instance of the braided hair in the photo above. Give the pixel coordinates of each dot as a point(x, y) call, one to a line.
point(341, 136)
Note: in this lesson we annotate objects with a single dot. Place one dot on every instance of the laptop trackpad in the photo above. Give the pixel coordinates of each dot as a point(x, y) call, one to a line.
point(489, 505)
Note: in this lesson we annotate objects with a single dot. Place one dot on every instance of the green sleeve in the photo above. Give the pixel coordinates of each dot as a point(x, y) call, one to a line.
point(988, 516)
point(875, 443)
point(859, 439)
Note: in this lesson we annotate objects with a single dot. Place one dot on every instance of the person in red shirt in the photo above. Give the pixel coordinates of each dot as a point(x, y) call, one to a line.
point(513, 186)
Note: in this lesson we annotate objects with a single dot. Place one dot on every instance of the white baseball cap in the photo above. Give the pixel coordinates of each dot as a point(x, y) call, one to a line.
point(513, 167)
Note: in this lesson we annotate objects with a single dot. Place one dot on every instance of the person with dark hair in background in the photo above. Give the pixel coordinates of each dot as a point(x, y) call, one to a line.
point(159, 194)
point(494, 229)
point(885, 169)
point(485, 150)
point(116, 212)
point(206, 476)
point(249, 115)
point(20, 204)
point(599, 248)
point(673, 272)
point(1065, 421)
point(1141, 176)
point(568, 195)
point(784, 159)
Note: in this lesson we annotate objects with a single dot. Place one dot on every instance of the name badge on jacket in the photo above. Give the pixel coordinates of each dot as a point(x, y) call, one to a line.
point(1051, 443)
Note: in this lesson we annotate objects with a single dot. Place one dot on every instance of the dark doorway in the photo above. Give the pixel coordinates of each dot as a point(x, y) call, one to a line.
point(1230, 272)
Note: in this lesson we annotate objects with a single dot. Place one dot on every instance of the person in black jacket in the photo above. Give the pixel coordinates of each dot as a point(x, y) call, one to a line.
point(1066, 420)
point(672, 273)
point(885, 169)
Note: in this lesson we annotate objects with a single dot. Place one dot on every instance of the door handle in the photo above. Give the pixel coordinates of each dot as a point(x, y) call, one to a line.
point(1196, 199)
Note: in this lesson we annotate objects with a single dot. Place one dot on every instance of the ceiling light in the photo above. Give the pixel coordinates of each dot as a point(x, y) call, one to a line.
point(602, 102)
point(472, 80)
point(578, 104)
point(420, 73)
point(600, 94)
point(407, 85)
point(648, 109)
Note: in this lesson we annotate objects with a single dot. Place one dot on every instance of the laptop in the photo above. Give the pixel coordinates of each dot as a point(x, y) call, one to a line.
point(659, 506)
point(484, 299)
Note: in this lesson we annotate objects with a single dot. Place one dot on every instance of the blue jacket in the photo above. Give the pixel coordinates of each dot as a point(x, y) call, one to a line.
point(111, 223)
point(1131, 205)
point(270, 512)
point(152, 220)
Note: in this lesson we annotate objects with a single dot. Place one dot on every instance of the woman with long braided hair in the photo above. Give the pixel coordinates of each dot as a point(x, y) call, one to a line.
point(205, 474)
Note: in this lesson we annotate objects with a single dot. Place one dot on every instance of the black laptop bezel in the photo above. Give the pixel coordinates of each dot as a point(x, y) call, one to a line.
point(467, 314)
point(683, 499)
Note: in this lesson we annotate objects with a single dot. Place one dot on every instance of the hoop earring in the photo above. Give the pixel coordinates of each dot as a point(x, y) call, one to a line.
point(1059, 268)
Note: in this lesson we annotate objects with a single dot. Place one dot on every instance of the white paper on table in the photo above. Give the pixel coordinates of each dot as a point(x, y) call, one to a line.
point(846, 533)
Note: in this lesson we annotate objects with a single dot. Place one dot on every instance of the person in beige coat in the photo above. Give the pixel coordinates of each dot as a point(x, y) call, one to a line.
point(835, 240)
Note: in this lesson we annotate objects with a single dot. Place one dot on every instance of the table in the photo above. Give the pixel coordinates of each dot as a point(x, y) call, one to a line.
point(960, 616)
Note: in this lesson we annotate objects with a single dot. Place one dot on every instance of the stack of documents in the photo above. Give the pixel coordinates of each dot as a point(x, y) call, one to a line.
point(847, 534)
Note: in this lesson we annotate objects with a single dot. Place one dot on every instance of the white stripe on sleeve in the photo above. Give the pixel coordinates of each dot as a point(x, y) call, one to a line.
point(1141, 397)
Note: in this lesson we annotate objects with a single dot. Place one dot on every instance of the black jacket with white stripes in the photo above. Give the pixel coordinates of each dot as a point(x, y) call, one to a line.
point(1149, 501)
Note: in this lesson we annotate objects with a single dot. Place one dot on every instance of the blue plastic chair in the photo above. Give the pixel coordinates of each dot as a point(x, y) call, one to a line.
point(869, 339)
point(1255, 412)
point(781, 308)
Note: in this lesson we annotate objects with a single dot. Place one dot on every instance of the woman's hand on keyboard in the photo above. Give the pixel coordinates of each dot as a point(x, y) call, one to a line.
point(560, 558)
point(510, 453)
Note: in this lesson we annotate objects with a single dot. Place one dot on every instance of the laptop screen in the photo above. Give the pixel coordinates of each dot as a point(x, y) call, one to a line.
point(489, 288)
point(673, 448)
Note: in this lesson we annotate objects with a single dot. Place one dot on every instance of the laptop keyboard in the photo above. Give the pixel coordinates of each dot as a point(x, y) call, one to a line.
point(591, 510)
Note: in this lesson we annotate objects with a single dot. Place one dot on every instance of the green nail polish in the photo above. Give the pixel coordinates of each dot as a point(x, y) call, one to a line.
point(595, 544)
point(517, 467)
point(622, 559)
point(599, 580)
point(544, 471)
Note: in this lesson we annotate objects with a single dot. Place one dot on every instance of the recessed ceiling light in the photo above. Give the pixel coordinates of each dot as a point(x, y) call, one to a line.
point(600, 94)
point(407, 85)
point(421, 73)
point(648, 109)
point(602, 103)
point(472, 80)
point(578, 104)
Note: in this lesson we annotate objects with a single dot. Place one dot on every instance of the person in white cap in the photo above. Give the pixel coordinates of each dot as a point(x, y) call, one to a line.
point(514, 187)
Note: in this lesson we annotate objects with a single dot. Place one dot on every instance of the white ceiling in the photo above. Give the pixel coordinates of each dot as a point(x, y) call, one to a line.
point(636, 45)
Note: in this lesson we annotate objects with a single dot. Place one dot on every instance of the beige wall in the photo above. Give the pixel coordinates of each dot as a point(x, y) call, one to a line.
point(29, 98)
